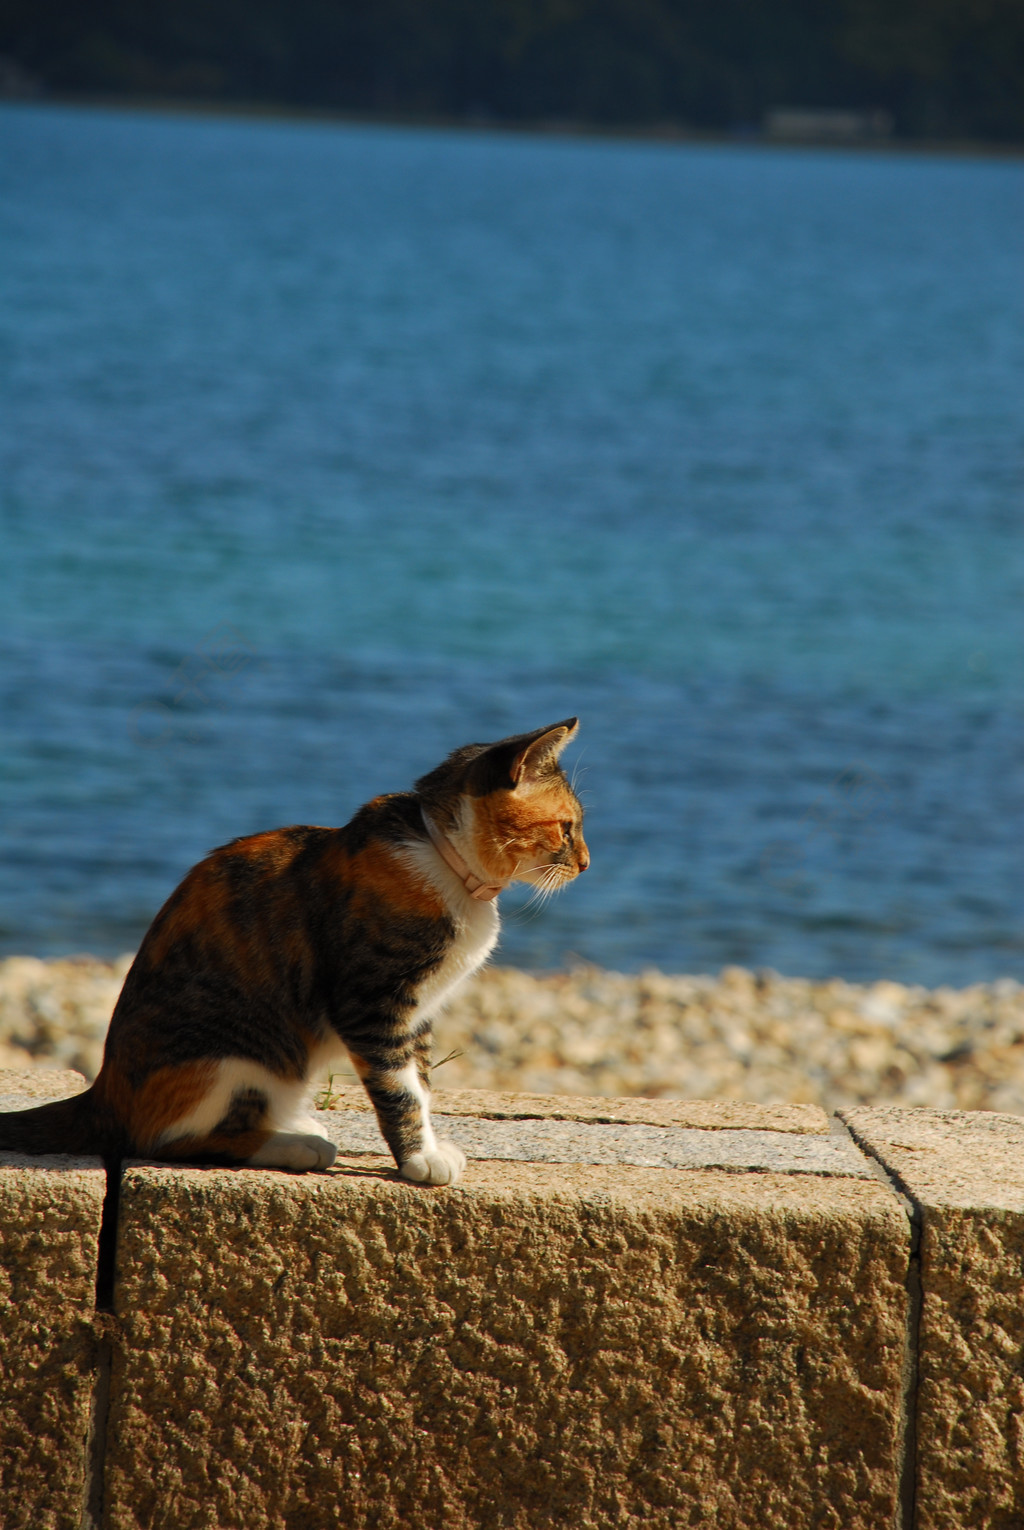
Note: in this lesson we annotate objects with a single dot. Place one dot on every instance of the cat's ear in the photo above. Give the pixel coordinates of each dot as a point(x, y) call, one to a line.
point(539, 751)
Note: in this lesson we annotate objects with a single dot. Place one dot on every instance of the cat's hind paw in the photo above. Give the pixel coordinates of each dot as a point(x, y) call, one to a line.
point(299, 1151)
point(440, 1165)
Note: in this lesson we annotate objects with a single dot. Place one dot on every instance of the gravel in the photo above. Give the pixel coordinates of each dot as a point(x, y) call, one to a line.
point(737, 1036)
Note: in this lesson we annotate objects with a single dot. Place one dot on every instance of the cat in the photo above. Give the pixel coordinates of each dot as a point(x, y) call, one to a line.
point(284, 950)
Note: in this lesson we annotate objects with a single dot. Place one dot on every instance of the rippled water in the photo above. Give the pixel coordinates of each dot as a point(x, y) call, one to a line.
point(324, 449)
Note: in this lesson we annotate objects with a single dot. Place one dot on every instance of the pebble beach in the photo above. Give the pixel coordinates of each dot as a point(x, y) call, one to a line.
point(739, 1035)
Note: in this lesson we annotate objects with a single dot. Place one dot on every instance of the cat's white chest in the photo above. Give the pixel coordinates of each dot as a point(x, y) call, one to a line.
point(476, 929)
point(475, 938)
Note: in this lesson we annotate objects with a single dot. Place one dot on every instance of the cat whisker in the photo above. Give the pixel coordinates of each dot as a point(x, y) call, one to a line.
point(579, 769)
point(535, 900)
point(531, 909)
point(552, 878)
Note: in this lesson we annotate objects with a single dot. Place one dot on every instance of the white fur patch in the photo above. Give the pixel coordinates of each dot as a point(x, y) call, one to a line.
point(287, 1100)
point(409, 1078)
point(477, 927)
point(436, 1163)
point(443, 1166)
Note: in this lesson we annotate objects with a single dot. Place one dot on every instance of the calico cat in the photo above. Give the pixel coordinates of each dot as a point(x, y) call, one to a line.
point(280, 951)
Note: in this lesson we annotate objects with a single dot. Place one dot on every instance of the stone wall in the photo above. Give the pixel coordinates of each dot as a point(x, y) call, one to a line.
point(630, 1313)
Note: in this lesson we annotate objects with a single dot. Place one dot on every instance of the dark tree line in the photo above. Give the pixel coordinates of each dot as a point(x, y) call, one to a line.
point(942, 68)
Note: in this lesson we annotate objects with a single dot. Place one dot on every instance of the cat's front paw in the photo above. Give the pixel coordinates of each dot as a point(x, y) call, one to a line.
point(440, 1165)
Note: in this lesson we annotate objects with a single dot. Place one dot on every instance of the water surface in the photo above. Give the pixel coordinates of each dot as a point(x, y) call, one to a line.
point(325, 449)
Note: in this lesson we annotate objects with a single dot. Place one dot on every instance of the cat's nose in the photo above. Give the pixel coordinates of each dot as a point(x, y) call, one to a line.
point(582, 858)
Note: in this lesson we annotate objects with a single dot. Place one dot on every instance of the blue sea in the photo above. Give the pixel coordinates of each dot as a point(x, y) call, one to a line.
point(326, 448)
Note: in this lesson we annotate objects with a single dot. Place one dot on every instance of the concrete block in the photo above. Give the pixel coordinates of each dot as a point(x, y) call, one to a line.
point(589, 1345)
point(50, 1213)
point(965, 1172)
point(706, 1115)
point(651, 1147)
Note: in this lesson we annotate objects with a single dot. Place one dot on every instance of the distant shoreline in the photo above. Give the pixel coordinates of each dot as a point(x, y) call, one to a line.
point(667, 134)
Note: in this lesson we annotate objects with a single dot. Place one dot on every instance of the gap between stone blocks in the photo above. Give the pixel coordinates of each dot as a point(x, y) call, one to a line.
point(105, 1328)
point(907, 1504)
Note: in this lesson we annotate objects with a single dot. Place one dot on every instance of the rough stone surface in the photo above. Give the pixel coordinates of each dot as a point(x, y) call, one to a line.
point(965, 1171)
point(651, 1147)
point(544, 1345)
point(50, 1210)
point(22, 1087)
point(708, 1115)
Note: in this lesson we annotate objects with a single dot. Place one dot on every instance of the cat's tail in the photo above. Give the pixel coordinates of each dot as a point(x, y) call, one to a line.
point(61, 1126)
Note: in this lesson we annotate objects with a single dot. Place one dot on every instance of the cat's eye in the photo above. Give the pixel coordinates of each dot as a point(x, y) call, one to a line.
point(567, 830)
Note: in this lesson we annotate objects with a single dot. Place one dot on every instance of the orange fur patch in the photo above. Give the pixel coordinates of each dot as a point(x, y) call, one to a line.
point(532, 820)
point(199, 908)
point(378, 874)
point(166, 1096)
point(274, 851)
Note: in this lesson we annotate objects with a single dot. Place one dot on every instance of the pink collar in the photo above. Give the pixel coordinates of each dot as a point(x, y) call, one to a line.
point(483, 892)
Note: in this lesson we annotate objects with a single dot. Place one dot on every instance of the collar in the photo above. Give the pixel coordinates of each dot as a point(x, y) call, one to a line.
point(483, 892)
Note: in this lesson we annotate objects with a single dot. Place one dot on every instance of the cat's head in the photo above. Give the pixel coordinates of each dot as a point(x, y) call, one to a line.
point(509, 810)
